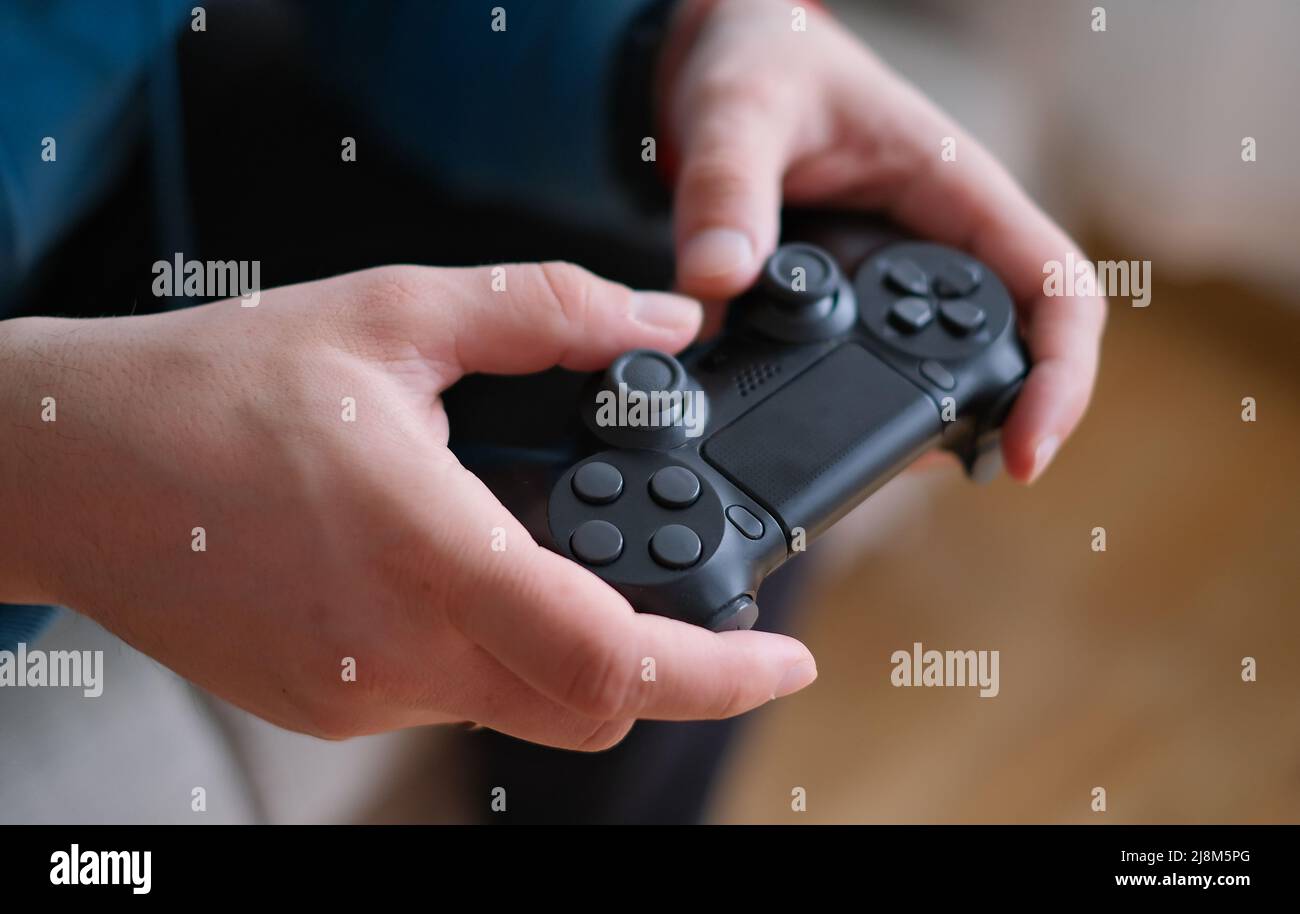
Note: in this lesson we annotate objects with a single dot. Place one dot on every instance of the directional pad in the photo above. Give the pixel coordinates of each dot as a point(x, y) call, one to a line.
point(961, 316)
point(957, 280)
point(911, 314)
point(906, 276)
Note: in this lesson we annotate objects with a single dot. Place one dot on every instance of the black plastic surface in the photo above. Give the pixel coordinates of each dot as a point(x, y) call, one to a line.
point(812, 401)
point(847, 421)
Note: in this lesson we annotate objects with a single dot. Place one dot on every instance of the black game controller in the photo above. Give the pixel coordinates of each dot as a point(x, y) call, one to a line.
point(857, 351)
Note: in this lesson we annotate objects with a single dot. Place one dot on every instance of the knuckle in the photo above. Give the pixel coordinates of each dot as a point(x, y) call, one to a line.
point(604, 686)
point(734, 93)
point(735, 700)
point(604, 735)
point(717, 174)
point(567, 290)
point(388, 297)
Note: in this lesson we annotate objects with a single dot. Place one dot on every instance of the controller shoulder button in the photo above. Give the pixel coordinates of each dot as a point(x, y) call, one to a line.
point(905, 276)
point(911, 314)
point(957, 280)
point(598, 483)
point(675, 487)
point(675, 546)
point(745, 522)
point(962, 316)
point(986, 464)
point(935, 372)
point(597, 542)
point(738, 614)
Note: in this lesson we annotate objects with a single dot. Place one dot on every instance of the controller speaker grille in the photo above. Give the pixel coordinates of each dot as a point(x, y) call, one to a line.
point(752, 377)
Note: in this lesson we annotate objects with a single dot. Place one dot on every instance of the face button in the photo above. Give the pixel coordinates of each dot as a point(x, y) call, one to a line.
point(745, 522)
point(939, 375)
point(598, 483)
point(597, 542)
point(957, 280)
point(800, 275)
point(961, 316)
point(675, 487)
point(911, 314)
point(675, 546)
point(906, 276)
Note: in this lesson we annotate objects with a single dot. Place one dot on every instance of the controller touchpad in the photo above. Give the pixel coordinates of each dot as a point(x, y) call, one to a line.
point(816, 445)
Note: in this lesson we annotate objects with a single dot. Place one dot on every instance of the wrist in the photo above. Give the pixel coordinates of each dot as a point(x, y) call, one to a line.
point(38, 358)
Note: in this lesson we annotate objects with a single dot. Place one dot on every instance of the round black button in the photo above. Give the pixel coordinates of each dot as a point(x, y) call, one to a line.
point(675, 487)
point(597, 483)
point(799, 275)
point(596, 542)
point(675, 546)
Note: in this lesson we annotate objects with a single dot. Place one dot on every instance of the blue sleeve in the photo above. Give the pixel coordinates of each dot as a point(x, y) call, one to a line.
point(68, 70)
point(23, 624)
point(521, 116)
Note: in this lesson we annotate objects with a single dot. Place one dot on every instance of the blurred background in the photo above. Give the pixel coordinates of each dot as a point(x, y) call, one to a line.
point(1119, 669)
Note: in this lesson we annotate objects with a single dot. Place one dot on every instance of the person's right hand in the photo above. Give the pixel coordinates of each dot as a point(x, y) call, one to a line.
point(328, 539)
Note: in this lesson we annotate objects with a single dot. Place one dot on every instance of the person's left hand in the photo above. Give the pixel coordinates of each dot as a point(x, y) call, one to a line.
point(760, 113)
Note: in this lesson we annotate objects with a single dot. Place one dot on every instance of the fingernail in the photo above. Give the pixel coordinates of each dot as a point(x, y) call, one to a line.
point(1043, 455)
point(796, 678)
point(716, 252)
point(665, 311)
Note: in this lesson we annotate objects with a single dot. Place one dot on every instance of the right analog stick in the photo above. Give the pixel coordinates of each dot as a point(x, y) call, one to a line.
point(801, 296)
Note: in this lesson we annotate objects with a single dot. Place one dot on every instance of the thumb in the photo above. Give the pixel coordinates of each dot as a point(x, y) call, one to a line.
point(521, 318)
point(728, 196)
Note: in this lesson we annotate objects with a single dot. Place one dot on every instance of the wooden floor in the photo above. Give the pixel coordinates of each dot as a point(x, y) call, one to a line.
point(1119, 669)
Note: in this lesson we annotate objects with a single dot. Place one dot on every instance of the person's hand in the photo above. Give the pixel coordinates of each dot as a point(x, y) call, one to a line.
point(759, 113)
point(325, 539)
